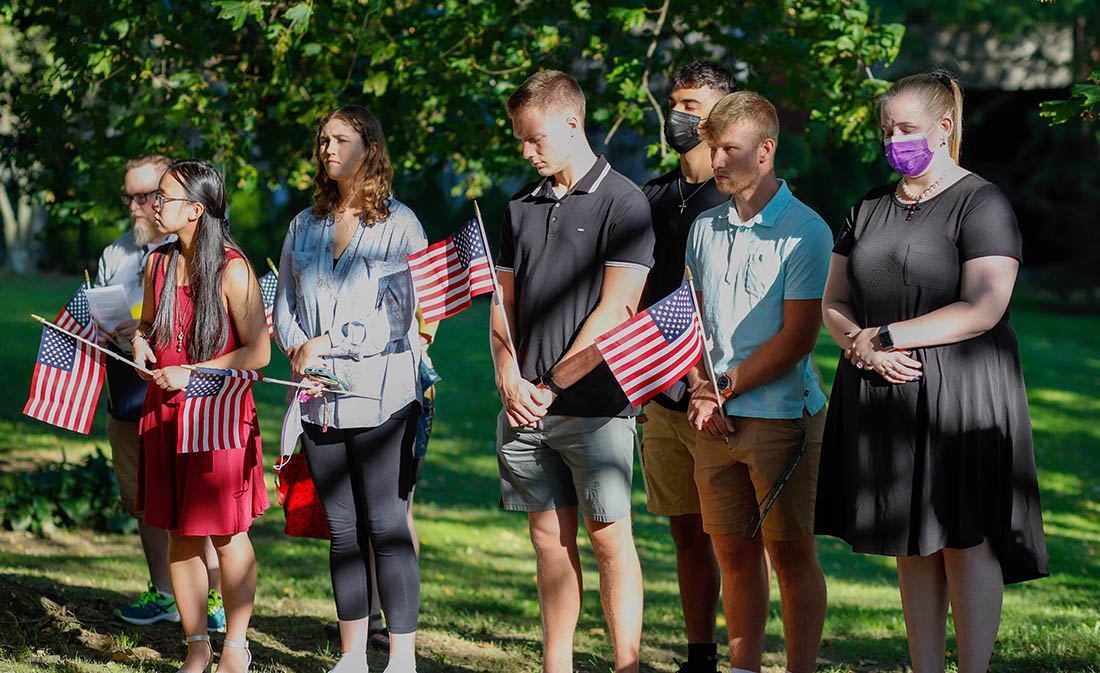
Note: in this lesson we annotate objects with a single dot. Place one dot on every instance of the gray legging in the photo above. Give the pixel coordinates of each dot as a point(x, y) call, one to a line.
point(363, 476)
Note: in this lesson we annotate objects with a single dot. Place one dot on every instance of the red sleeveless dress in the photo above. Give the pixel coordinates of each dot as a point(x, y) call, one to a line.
point(207, 493)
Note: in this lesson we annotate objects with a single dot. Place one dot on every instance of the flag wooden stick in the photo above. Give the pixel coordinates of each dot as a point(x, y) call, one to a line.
point(498, 297)
point(282, 382)
point(709, 366)
point(87, 280)
point(93, 345)
point(273, 267)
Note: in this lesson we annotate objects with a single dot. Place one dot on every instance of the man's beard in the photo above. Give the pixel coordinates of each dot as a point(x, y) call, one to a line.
point(738, 182)
point(144, 233)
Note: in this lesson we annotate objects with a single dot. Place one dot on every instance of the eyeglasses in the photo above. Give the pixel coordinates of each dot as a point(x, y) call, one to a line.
point(140, 198)
point(159, 199)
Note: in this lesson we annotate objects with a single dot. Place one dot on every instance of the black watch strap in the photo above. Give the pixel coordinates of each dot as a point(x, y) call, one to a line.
point(885, 338)
point(547, 379)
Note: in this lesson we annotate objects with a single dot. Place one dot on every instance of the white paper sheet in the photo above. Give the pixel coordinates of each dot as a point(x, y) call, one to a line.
point(109, 306)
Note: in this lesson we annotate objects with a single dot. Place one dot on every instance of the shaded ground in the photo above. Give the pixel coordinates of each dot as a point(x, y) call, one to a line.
point(479, 611)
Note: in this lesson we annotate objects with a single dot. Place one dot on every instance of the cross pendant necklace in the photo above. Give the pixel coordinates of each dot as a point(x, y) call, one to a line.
point(683, 201)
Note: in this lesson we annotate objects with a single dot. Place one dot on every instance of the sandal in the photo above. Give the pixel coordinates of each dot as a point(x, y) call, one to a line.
point(379, 639)
point(199, 639)
point(242, 645)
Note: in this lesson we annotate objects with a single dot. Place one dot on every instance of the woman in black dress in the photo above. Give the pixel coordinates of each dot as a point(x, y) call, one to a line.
point(927, 453)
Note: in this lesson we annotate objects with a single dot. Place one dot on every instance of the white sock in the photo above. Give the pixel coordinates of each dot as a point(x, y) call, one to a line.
point(400, 665)
point(741, 670)
point(351, 662)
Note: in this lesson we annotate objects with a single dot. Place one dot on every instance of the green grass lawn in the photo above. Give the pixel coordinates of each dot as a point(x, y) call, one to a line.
point(479, 610)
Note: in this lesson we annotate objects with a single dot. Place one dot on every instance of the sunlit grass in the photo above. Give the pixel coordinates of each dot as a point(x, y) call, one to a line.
point(479, 609)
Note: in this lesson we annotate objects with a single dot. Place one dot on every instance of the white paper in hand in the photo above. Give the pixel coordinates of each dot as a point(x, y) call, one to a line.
point(109, 306)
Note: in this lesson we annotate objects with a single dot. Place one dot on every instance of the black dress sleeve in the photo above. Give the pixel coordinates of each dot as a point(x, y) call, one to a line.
point(989, 226)
point(846, 239)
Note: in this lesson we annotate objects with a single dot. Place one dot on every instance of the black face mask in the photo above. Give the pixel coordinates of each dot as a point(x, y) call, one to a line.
point(682, 131)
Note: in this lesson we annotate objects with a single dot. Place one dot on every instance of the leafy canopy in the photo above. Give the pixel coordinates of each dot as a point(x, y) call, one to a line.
point(244, 82)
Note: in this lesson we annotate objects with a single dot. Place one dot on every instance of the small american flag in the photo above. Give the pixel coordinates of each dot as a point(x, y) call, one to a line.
point(655, 348)
point(68, 374)
point(448, 274)
point(211, 414)
point(268, 282)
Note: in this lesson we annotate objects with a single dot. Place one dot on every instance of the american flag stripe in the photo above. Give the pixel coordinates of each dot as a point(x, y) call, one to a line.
point(448, 274)
point(640, 353)
point(88, 372)
point(647, 379)
point(443, 261)
point(210, 419)
point(68, 374)
point(269, 282)
point(446, 300)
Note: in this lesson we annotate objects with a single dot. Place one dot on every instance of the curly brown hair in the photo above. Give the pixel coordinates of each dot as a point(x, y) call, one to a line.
point(375, 179)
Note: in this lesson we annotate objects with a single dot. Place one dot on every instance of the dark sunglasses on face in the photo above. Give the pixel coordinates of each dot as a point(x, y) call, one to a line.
point(140, 198)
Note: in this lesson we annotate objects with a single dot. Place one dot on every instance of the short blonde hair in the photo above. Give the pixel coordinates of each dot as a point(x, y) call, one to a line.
point(548, 90)
point(738, 107)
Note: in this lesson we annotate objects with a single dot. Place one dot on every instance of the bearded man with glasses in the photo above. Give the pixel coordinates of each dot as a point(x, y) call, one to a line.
point(122, 263)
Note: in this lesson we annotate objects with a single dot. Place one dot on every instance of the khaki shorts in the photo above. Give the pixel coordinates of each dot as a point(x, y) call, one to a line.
point(735, 473)
point(123, 436)
point(668, 462)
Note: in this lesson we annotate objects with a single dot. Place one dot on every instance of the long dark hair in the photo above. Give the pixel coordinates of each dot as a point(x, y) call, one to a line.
point(209, 324)
point(375, 178)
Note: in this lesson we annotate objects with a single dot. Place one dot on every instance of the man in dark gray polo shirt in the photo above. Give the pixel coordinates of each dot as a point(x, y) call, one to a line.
point(576, 248)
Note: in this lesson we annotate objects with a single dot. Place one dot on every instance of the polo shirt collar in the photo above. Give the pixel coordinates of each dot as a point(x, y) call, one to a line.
point(767, 215)
point(587, 184)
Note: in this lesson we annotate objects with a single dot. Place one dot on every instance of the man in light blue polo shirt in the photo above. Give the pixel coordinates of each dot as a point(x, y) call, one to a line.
point(760, 262)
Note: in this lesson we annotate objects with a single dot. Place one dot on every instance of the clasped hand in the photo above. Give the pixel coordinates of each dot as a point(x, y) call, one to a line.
point(524, 402)
point(896, 366)
point(704, 413)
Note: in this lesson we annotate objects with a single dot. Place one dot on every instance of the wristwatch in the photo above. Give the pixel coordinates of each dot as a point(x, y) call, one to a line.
point(885, 339)
point(725, 388)
point(547, 379)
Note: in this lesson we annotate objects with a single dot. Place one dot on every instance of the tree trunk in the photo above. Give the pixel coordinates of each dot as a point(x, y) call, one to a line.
point(23, 220)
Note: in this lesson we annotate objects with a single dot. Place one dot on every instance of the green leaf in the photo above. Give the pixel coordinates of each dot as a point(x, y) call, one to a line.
point(235, 11)
point(299, 14)
point(122, 27)
point(376, 84)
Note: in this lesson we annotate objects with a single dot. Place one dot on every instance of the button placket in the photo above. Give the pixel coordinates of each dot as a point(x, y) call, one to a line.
point(553, 227)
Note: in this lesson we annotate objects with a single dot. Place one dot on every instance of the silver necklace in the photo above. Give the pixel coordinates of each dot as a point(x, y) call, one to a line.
point(683, 201)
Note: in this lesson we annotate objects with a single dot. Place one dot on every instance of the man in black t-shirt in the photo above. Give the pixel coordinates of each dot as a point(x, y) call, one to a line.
point(576, 247)
point(668, 446)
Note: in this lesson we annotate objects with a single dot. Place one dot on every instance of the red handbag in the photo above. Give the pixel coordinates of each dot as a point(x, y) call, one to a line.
point(305, 517)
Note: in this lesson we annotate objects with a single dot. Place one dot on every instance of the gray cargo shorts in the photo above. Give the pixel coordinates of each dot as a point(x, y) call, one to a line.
point(567, 461)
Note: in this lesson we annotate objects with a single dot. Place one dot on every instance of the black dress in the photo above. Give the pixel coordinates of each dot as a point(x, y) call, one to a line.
point(946, 460)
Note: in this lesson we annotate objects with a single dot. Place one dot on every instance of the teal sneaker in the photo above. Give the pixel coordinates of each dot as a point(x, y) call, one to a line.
point(215, 612)
point(151, 607)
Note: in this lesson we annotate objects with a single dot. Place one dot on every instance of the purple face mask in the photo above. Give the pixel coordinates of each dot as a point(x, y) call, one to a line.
point(909, 154)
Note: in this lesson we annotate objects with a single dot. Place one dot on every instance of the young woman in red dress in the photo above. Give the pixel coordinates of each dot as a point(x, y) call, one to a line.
point(202, 306)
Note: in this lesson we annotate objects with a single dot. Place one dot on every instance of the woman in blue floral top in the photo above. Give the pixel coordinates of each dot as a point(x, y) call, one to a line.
point(345, 303)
